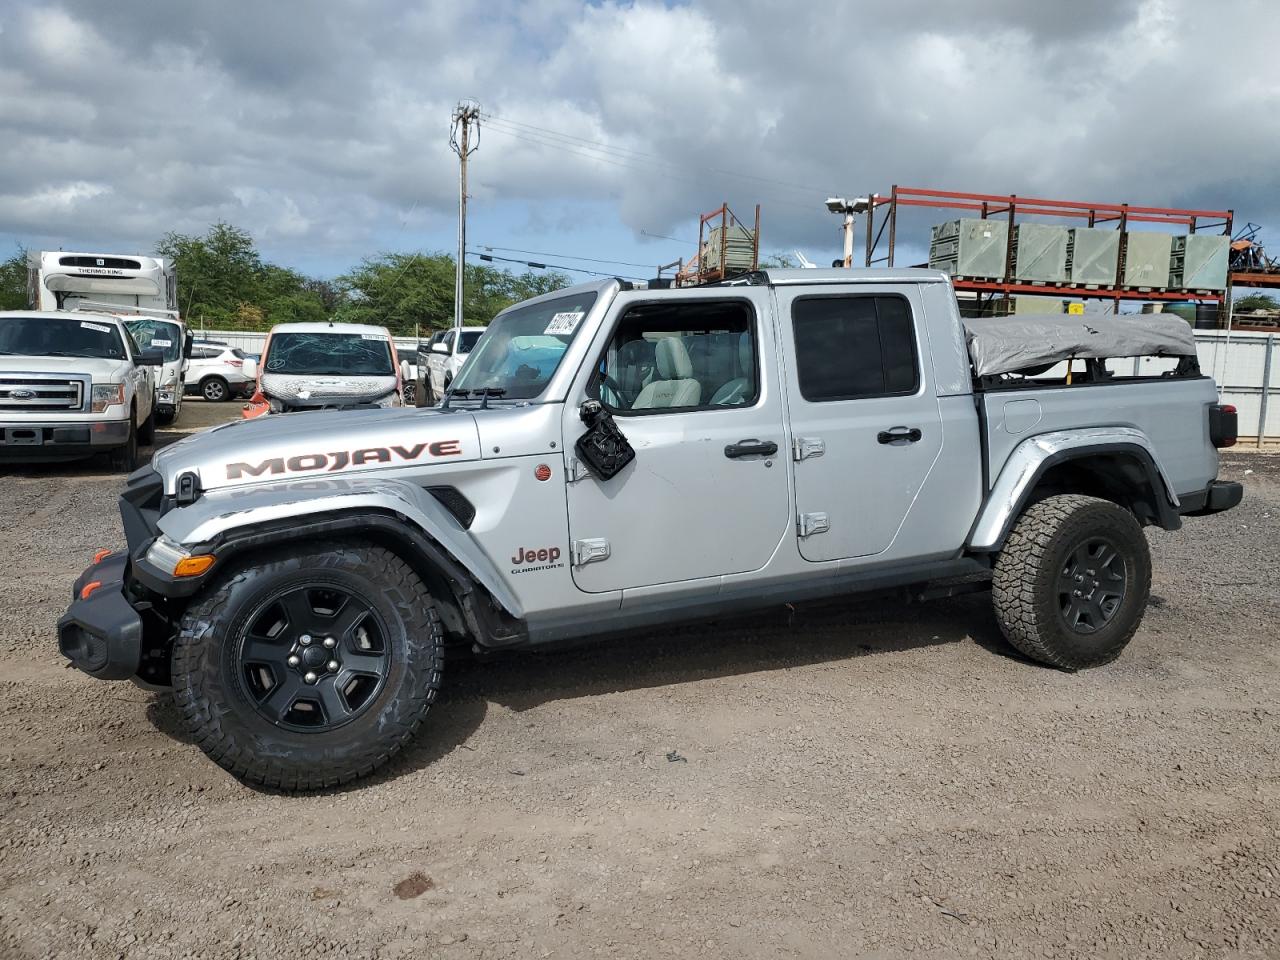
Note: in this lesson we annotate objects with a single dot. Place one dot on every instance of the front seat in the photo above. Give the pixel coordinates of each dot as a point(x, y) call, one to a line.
point(737, 390)
point(674, 386)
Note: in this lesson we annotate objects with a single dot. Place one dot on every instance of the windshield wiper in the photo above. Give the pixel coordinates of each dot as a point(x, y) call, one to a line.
point(484, 393)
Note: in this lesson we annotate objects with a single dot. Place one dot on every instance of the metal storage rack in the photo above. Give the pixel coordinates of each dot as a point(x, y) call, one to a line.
point(883, 218)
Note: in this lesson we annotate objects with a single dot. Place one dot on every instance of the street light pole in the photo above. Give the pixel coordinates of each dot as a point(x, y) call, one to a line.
point(841, 205)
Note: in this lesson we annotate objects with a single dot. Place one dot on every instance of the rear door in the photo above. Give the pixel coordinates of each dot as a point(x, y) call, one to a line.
point(691, 378)
point(863, 412)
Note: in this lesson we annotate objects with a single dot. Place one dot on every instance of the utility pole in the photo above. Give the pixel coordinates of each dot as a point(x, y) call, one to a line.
point(465, 116)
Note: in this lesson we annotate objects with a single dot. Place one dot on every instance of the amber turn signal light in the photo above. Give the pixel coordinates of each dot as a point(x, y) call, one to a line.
point(88, 588)
point(193, 566)
point(104, 552)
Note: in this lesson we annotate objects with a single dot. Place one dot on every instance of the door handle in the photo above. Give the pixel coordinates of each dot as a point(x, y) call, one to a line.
point(751, 448)
point(899, 435)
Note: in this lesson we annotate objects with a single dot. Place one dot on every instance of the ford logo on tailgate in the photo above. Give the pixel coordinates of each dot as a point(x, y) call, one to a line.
point(21, 394)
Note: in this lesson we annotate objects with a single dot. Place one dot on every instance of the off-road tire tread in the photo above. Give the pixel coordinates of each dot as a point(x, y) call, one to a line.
point(202, 723)
point(1013, 586)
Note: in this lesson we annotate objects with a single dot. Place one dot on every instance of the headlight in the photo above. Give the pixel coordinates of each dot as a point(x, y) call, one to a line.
point(392, 399)
point(170, 383)
point(106, 394)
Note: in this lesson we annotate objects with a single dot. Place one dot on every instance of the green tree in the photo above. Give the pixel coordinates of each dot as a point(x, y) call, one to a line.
point(224, 282)
point(414, 291)
point(13, 281)
point(1255, 301)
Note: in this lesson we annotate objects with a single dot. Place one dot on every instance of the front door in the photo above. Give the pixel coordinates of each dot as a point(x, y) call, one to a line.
point(692, 382)
point(864, 415)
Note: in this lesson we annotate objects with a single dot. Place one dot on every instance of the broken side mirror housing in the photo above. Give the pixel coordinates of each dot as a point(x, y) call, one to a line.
point(603, 449)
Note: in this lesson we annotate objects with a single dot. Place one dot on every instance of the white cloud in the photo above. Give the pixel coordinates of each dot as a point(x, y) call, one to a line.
point(319, 128)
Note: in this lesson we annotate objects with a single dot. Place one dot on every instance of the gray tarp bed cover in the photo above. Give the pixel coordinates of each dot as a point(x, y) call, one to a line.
point(1008, 344)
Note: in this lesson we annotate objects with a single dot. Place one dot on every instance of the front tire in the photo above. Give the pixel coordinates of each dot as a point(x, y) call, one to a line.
point(268, 696)
point(1072, 582)
point(147, 432)
point(126, 457)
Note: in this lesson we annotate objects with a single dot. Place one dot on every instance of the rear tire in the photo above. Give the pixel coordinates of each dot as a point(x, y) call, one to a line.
point(1072, 582)
point(166, 419)
point(301, 727)
point(215, 389)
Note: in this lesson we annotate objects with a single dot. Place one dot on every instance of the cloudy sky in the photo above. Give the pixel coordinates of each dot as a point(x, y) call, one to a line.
point(323, 127)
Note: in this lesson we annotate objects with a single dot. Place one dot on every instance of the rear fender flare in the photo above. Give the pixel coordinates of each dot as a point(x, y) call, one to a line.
point(1035, 456)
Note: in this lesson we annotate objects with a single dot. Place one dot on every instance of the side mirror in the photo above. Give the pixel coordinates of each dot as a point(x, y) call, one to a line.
point(250, 368)
point(151, 358)
point(187, 343)
point(405, 373)
point(440, 348)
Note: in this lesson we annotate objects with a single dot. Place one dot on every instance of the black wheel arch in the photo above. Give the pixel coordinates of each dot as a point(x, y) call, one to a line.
point(1124, 473)
point(466, 608)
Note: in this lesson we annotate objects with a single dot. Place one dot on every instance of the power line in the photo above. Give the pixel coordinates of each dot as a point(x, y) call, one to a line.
point(537, 265)
point(658, 236)
point(564, 256)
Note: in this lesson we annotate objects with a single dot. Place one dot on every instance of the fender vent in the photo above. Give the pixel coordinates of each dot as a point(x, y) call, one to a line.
point(452, 500)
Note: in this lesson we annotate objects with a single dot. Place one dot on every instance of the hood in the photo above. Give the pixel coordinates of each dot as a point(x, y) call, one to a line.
point(324, 443)
point(101, 371)
point(315, 390)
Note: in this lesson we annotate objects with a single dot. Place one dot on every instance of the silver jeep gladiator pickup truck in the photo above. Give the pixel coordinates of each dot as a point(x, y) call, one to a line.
point(612, 458)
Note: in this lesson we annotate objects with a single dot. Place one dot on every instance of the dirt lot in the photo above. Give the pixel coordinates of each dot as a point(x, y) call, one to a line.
point(839, 780)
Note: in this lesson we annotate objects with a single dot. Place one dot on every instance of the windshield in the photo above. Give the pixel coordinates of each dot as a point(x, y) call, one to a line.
point(523, 347)
point(157, 335)
point(60, 337)
point(330, 354)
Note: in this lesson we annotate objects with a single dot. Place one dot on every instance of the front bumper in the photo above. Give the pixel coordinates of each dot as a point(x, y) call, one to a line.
point(54, 439)
point(101, 633)
point(1218, 496)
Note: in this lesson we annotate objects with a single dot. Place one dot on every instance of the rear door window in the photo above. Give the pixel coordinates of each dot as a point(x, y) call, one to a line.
point(852, 347)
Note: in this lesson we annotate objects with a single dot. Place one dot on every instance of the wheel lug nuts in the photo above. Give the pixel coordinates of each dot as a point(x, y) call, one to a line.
point(310, 677)
point(294, 661)
point(330, 642)
point(305, 639)
point(333, 666)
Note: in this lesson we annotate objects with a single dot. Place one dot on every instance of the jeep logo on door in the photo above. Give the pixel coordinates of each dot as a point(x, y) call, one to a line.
point(341, 459)
point(528, 559)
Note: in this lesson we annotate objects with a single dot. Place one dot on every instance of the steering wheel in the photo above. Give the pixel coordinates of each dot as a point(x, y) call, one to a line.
point(617, 398)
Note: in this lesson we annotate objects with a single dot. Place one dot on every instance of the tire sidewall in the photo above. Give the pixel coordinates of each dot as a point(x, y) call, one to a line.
point(1117, 527)
point(212, 681)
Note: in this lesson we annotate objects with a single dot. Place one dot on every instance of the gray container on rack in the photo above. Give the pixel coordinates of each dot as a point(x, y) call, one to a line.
point(1040, 253)
point(1092, 255)
point(970, 248)
point(1146, 260)
point(1198, 261)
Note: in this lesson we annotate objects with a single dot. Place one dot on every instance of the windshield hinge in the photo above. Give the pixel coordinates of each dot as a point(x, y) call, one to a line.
point(802, 448)
point(577, 471)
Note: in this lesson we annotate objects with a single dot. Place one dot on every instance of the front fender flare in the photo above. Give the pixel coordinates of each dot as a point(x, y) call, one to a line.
point(226, 522)
point(1034, 456)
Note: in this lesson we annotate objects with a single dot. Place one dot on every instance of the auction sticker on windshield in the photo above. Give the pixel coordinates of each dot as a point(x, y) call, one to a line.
point(162, 343)
point(371, 336)
point(100, 327)
point(563, 324)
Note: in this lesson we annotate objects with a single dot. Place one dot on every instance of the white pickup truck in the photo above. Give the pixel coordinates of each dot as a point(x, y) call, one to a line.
point(73, 385)
point(614, 459)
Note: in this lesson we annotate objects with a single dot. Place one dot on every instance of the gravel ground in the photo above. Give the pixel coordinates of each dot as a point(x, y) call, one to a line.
point(853, 779)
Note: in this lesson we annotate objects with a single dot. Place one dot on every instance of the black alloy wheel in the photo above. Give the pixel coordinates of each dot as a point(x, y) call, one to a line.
point(313, 658)
point(1091, 587)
